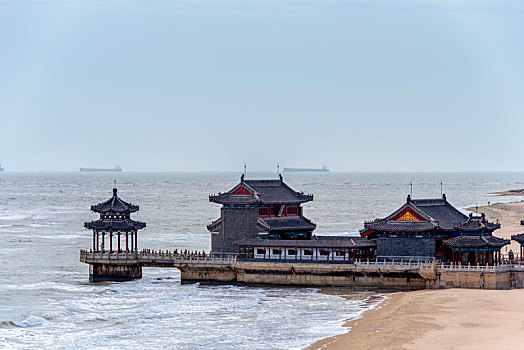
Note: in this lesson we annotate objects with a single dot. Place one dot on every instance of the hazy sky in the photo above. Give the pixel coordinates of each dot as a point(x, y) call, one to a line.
point(209, 85)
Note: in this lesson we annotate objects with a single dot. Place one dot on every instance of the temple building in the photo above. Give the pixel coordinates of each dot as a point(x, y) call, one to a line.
point(115, 231)
point(520, 240)
point(263, 219)
point(427, 229)
point(475, 244)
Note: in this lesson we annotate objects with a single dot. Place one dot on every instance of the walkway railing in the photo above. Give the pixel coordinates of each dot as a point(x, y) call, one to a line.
point(503, 267)
point(146, 257)
point(161, 257)
point(395, 265)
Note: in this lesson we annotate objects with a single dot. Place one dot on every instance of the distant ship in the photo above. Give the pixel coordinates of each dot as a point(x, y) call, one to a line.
point(116, 169)
point(324, 169)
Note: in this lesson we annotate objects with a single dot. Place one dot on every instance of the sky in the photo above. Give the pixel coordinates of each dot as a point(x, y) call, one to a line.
point(211, 85)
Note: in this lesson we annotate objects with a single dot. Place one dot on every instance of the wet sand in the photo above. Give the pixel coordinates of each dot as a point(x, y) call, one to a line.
point(438, 319)
point(519, 192)
point(448, 318)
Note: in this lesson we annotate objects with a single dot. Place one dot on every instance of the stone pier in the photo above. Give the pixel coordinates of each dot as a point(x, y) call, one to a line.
point(117, 273)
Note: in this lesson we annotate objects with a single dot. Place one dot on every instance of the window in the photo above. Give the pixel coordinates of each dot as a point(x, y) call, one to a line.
point(340, 253)
point(323, 252)
point(276, 252)
point(274, 211)
point(263, 211)
point(292, 210)
point(291, 252)
point(307, 252)
point(261, 251)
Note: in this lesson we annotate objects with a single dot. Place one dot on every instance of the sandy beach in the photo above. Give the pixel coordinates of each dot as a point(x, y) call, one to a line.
point(447, 318)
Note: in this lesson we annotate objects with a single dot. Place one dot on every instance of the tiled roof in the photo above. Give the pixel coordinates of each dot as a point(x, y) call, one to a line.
point(262, 191)
point(519, 238)
point(400, 226)
point(286, 223)
point(215, 225)
point(434, 213)
point(481, 241)
point(442, 211)
point(114, 204)
point(115, 224)
point(477, 224)
point(315, 242)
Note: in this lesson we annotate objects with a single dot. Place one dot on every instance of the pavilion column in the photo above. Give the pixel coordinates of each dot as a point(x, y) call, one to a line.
point(477, 257)
point(103, 241)
point(94, 240)
point(484, 259)
point(131, 240)
point(136, 241)
point(97, 241)
point(127, 241)
point(110, 242)
point(118, 241)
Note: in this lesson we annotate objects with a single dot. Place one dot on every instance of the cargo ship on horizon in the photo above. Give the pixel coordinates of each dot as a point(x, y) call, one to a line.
point(116, 169)
point(324, 169)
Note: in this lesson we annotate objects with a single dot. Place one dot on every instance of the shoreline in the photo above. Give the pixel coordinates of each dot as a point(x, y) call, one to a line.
point(444, 318)
point(437, 319)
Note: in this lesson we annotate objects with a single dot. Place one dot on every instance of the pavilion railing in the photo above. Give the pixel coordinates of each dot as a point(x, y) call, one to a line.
point(151, 256)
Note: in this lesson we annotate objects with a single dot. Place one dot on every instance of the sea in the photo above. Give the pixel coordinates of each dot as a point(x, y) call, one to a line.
point(47, 302)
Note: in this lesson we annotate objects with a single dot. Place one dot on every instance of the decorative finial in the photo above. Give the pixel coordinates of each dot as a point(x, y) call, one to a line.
point(278, 169)
point(245, 168)
point(409, 197)
point(242, 178)
point(114, 189)
point(443, 196)
point(411, 190)
point(441, 193)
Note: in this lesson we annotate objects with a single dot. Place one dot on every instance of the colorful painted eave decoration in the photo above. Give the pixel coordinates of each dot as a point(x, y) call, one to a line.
point(241, 191)
point(407, 215)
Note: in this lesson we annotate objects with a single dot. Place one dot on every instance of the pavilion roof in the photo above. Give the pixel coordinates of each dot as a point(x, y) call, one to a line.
point(115, 225)
point(477, 241)
point(261, 191)
point(477, 224)
point(115, 205)
point(286, 223)
point(441, 211)
point(424, 215)
point(314, 242)
point(519, 238)
point(401, 226)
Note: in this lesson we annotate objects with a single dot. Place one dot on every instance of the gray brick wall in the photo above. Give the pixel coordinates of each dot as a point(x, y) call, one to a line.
point(237, 223)
point(416, 247)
